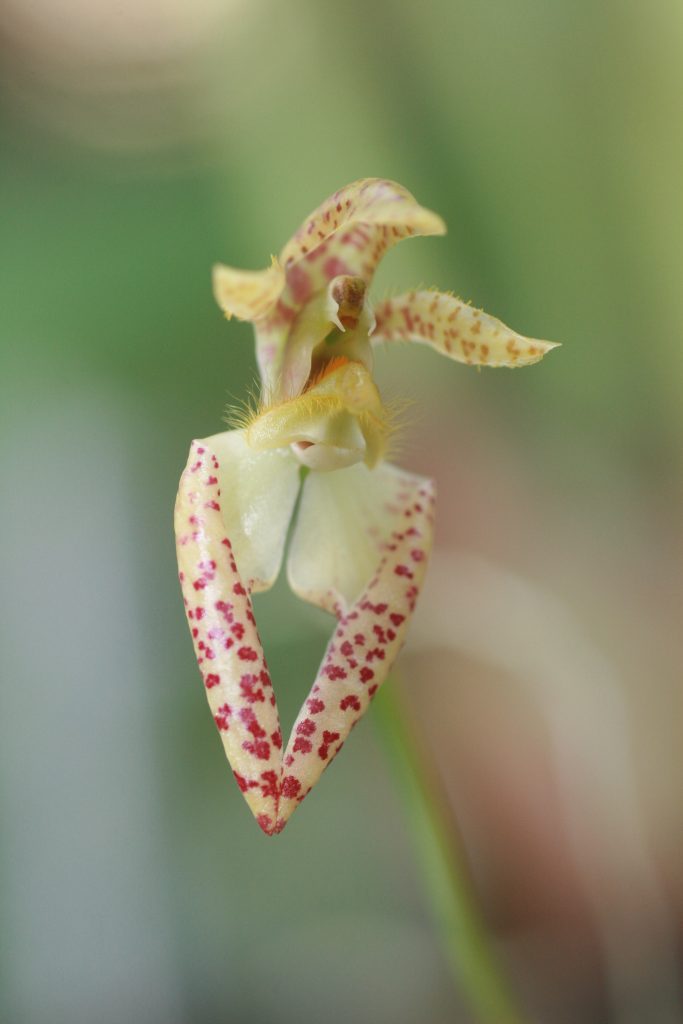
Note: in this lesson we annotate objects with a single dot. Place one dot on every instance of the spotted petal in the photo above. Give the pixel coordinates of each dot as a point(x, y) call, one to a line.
point(350, 232)
point(360, 549)
point(230, 537)
point(456, 330)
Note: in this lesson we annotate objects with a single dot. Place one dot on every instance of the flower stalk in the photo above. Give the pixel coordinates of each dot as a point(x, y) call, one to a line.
point(445, 875)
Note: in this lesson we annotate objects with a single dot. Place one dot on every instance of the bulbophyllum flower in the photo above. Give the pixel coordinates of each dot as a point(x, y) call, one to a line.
point(363, 530)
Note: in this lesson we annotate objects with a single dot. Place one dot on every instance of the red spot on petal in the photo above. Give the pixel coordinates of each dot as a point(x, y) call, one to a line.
point(247, 654)
point(269, 785)
point(290, 786)
point(334, 672)
point(222, 716)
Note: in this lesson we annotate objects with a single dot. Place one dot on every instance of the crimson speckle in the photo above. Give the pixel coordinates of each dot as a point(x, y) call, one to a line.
point(269, 785)
point(290, 787)
point(247, 654)
point(334, 672)
point(241, 782)
point(222, 717)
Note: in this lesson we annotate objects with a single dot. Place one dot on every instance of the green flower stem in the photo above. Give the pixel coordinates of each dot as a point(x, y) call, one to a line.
point(445, 874)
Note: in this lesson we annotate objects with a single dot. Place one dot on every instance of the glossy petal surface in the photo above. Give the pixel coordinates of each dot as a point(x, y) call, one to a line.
point(256, 491)
point(456, 330)
point(370, 632)
point(226, 641)
point(361, 545)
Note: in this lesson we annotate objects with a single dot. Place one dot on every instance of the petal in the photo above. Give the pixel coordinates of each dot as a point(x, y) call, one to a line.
point(361, 545)
point(219, 610)
point(258, 491)
point(350, 232)
point(247, 294)
point(456, 330)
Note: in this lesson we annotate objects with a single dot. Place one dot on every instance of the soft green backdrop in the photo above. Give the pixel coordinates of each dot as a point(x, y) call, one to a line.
point(140, 144)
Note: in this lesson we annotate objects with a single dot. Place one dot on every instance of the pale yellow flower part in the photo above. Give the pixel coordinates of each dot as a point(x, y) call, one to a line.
point(455, 329)
point(247, 294)
point(361, 529)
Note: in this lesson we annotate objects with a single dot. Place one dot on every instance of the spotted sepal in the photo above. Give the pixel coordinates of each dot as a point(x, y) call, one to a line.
point(391, 555)
point(226, 641)
point(455, 329)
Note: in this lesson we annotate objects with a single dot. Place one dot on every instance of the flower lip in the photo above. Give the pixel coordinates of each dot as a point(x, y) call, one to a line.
point(340, 414)
point(323, 458)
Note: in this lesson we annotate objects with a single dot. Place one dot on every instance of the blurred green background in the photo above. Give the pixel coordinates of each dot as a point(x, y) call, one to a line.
point(141, 142)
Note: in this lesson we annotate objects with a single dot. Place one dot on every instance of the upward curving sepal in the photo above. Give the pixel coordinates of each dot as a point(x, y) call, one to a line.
point(455, 329)
point(350, 232)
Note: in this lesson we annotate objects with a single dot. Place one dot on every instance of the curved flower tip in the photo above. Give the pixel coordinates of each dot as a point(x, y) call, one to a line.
point(247, 294)
point(229, 544)
point(363, 530)
point(456, 330)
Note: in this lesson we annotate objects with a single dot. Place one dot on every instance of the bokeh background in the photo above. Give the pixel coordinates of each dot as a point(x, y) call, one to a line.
point(140, 142)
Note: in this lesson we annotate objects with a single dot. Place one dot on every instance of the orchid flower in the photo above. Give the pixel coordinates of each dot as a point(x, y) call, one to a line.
point(363, 529)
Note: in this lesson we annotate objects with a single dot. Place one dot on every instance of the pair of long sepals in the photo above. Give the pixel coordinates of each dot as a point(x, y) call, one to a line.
point(359, 549)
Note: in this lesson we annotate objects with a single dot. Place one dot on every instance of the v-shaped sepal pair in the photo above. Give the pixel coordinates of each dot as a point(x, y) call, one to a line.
point(359, 548)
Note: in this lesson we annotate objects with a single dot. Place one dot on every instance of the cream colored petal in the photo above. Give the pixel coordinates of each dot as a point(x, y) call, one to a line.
point(257, 493)
point(361, 545)
point(456, 330)
point(248, 294)
point(344, 522)
point(218, 550)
